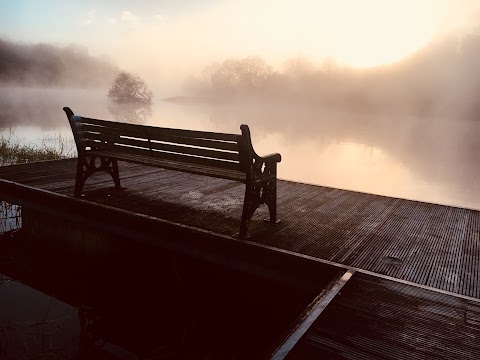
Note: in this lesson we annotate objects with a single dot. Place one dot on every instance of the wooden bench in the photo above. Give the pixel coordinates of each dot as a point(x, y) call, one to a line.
point(100, 144)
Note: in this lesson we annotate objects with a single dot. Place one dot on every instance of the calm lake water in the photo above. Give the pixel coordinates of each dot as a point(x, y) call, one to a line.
point(430, 158)
point(34, 324)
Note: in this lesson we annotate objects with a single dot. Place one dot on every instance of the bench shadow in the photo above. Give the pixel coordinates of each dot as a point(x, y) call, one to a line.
point(219, 214)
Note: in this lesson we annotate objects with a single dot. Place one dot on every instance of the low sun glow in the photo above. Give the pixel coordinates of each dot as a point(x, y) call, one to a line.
point(377, 32)
point(356, 33)
point(360, 34)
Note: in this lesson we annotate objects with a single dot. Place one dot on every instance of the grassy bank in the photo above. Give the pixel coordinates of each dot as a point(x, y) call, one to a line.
point(12, 151)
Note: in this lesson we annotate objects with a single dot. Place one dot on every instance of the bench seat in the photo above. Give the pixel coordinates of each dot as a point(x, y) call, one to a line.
point(174, 165)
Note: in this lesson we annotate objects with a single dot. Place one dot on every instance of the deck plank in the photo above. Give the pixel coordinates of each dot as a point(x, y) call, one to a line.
point(428, 244)
point(376, 318)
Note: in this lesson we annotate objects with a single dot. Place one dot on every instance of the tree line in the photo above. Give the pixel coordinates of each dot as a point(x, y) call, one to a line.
point(441, 78)
point(49, 65)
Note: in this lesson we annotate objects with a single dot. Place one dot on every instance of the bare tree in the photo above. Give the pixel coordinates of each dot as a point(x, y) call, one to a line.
point(237, 74)
point(254, 71)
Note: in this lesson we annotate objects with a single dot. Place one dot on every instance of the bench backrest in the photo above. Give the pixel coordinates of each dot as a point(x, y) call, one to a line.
point(220, 150)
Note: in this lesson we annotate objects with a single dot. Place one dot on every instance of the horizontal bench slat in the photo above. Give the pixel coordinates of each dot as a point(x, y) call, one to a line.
point(99, 145)
point(114, 131)
point(164, 155)
point(97, 136)
point(205, 143)
point(151, 131)
point(168, 164)
point(95, 144)
point(222, 155)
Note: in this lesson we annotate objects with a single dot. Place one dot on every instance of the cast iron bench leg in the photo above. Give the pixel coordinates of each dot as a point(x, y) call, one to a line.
point(270, 198)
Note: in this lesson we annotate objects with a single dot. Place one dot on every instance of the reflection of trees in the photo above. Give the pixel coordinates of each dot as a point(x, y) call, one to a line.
point(35, 339)
point(10, 217)
point(132, 113)
point(38, 338)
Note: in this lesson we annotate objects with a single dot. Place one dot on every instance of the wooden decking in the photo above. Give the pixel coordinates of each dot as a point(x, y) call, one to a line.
point(415, 289)
point(374, 318)
point(427, 244)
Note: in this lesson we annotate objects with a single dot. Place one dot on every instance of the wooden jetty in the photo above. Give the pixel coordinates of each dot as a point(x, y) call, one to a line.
point(404, 275)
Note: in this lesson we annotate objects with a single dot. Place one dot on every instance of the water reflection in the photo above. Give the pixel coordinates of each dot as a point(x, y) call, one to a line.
point(10, 217)
point(42, 107)
point(131, 113)
point(35, 325)
point(137, 303)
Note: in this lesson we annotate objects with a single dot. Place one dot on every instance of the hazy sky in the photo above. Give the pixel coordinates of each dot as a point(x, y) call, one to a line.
point(164, 38)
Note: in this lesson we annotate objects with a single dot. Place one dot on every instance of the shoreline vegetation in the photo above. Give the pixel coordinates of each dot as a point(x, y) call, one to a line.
point(13, 151)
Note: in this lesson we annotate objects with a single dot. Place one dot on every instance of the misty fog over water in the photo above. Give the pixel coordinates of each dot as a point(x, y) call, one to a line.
point(407, 129)
point(431, 159)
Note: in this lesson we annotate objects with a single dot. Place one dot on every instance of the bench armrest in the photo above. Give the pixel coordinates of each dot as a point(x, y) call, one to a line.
point(275, 157)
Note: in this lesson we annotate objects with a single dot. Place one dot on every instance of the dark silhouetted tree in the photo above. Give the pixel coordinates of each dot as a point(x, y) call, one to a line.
point(129, 88)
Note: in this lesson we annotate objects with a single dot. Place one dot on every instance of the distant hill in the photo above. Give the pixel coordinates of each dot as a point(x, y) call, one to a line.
point(49, 65)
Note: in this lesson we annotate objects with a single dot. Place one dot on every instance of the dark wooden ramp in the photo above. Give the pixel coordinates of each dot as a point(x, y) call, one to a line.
point(428, 244)
point(375, 318)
